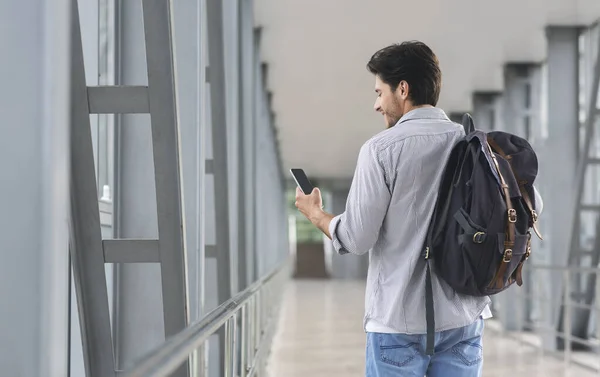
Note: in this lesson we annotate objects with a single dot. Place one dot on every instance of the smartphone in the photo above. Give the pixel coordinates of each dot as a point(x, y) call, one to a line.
point(302, 181)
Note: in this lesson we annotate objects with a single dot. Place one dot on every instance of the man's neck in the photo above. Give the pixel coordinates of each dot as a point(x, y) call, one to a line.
point(411, 108)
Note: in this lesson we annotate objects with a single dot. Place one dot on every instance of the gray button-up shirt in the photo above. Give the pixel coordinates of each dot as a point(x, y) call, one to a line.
point(389, 205)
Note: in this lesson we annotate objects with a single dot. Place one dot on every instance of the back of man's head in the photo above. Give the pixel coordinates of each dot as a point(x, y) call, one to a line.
point(413, 62)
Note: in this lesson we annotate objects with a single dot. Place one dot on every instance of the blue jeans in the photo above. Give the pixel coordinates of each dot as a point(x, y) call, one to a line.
point(458, 353)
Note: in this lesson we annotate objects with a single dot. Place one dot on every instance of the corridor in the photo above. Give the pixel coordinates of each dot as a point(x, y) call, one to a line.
point(320, 335)
point(150, 219)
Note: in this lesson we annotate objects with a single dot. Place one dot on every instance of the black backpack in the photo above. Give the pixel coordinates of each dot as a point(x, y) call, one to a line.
point(479, 235)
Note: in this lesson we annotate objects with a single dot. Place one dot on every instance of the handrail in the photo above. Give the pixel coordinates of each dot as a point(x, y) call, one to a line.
point(544, 324)
point(169, 355)
point(575, 269)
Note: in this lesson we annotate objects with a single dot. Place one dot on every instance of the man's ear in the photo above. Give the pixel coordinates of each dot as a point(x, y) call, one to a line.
point(403, 89)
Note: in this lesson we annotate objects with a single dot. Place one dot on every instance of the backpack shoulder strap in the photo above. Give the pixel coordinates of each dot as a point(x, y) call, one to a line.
point(467, 122)
point(440, 212)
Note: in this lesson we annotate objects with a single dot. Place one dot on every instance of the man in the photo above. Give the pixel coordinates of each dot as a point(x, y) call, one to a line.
point(390, 202)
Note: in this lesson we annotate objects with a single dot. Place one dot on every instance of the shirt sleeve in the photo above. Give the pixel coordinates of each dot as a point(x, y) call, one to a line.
point(357, 229)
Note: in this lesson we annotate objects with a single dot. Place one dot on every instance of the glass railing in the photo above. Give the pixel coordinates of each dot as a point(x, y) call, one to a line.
point(249, 321)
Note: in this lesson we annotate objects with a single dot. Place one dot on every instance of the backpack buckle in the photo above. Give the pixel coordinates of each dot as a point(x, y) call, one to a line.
point(478, 237)
point(507, 255)
point(512, 215)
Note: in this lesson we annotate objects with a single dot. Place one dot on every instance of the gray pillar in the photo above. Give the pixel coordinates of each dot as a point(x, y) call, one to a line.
point(34, 160)
point(346, 266)
point(558, 167)
point(563, 114)
point(518, 118)
point(487, 110)
point(518, 99)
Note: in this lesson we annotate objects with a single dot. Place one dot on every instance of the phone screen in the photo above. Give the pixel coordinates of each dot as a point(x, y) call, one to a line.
point(302, 181)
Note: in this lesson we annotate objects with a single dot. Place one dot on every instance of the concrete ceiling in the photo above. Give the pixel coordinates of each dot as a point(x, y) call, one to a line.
point(317, 51)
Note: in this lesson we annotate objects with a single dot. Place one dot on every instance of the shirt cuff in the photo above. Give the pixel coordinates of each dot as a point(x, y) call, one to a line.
point(337, 245)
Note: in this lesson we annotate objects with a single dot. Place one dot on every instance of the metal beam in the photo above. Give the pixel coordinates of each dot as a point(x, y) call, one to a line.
point(118, 100)
point(186, 21)
point(257, 112)
point(131, 251)
point(165, 134)
point(209, 167)
point(587, 207)
point(219, 136)
point(248, 137)
point(86, 243)
point(210, 251)
point(244, 37)
point(138, 320)
point(216, 78)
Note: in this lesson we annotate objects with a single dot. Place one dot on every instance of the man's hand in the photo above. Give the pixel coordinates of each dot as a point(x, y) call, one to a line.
point(311, 206)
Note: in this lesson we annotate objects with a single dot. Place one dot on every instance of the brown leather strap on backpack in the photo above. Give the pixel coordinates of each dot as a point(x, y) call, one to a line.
point(519, 271)
point(522, 189)
point(509, 242)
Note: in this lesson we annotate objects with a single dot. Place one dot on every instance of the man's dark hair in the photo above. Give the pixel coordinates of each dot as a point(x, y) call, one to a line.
point(413, 62)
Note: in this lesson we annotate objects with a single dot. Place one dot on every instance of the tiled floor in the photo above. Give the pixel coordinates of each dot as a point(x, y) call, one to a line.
point(320, 335)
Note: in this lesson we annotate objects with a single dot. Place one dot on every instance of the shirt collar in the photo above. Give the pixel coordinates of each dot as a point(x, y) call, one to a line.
point(424, 113)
